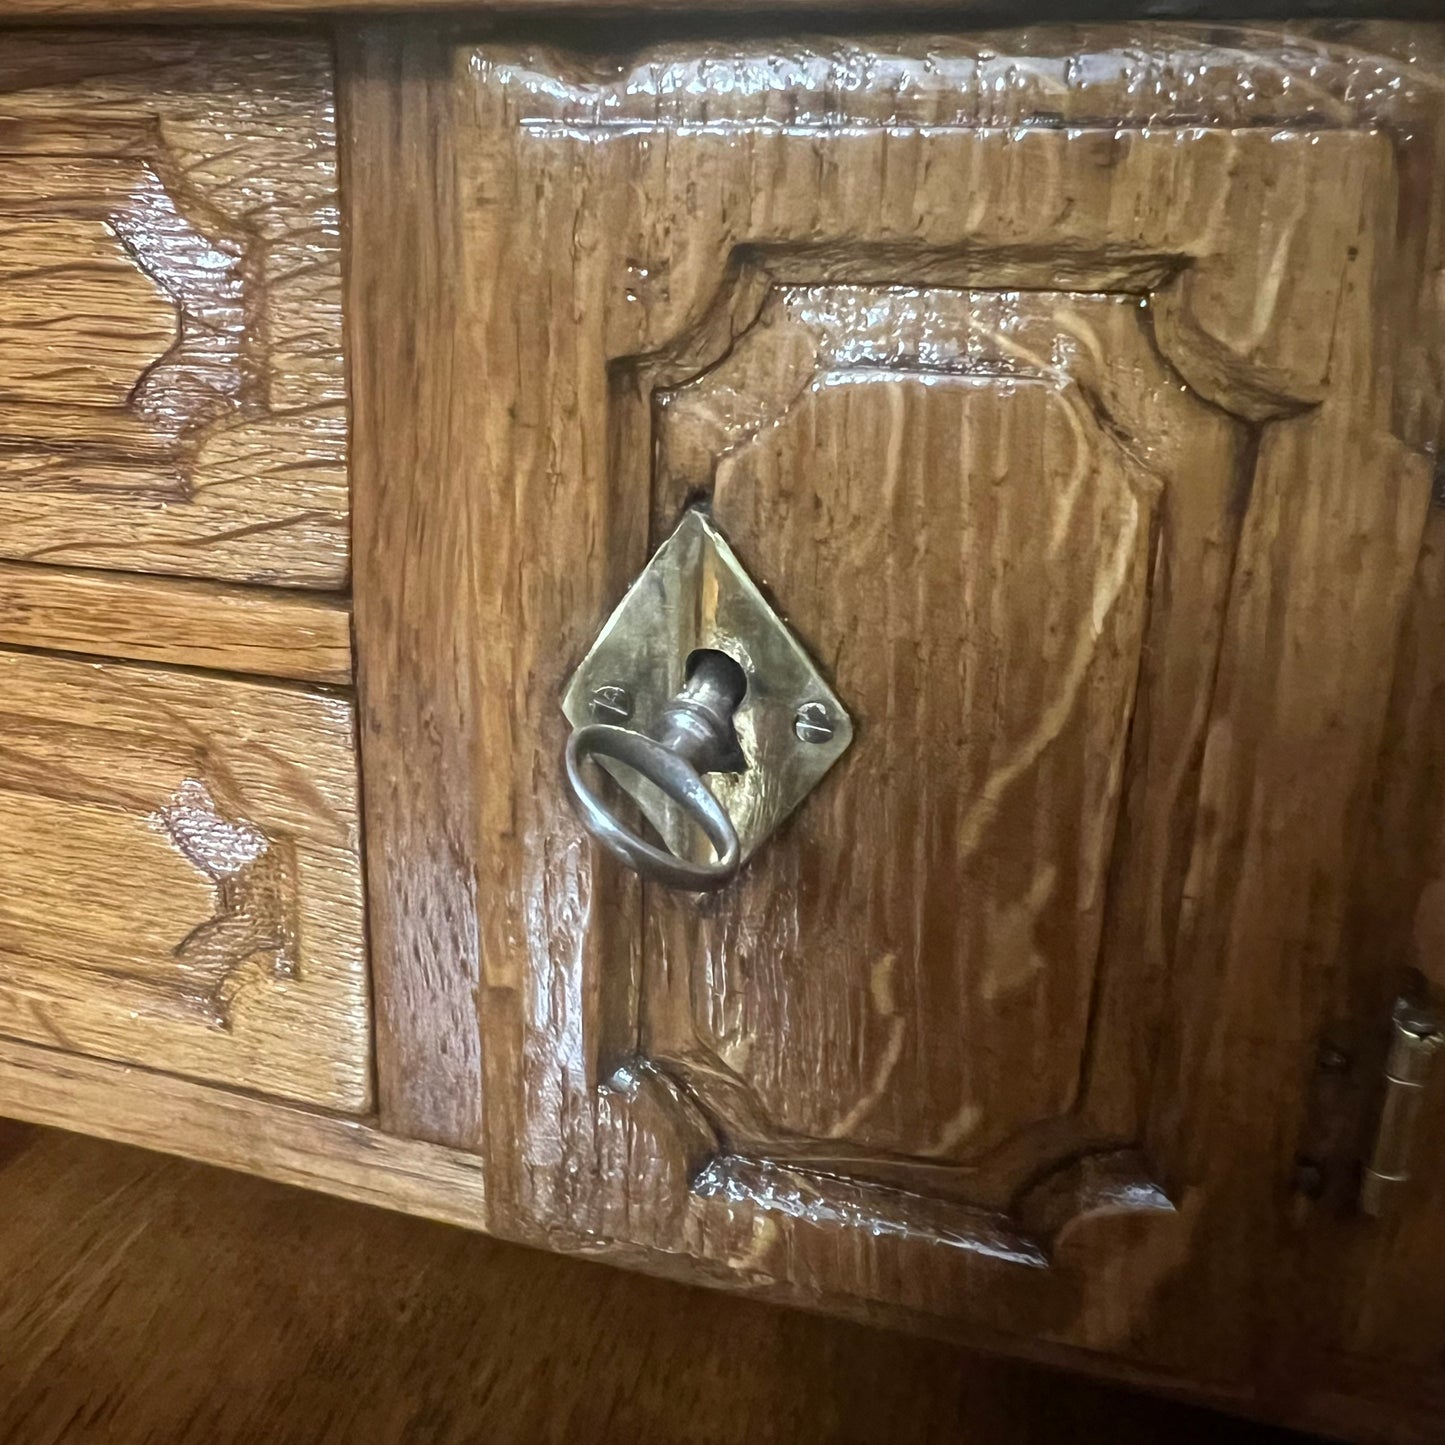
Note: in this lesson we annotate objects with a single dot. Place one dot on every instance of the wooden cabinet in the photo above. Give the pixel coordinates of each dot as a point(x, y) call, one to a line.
point(1075, 397)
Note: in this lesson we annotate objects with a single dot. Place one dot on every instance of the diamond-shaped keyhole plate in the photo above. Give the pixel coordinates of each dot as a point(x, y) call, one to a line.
point(694, 594)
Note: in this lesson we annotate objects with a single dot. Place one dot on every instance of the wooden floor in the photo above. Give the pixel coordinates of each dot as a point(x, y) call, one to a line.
point(147, 1301)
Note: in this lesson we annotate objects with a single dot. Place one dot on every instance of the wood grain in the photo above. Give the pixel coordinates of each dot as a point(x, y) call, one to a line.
point(172, 385)
point(265, 631)
point(1240, 515)
point(130, 1276)
point(181, 876)
point(347, 1157)
point(1167, 295)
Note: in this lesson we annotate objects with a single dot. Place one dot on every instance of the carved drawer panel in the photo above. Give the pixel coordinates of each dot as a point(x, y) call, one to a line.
point(179, 876)
point(172, 394)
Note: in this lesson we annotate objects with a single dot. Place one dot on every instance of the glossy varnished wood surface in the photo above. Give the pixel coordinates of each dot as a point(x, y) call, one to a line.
point(874, 1025)
point(160, 1303)
point(1225, 271)
point(181, 866)
point(172, 386)
point(266, 631)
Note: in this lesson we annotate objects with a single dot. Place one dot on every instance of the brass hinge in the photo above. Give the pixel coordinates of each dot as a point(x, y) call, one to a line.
point(1416, 1039)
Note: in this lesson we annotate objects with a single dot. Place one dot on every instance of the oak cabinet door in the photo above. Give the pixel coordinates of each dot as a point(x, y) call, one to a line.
point(1055, 399)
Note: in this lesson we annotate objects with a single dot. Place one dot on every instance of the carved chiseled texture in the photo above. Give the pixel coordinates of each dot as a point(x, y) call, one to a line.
point(172, 388)
point(1220, 252)
point(181, 876)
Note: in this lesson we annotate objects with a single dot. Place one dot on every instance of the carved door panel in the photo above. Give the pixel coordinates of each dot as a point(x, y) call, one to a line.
point(1049, 425)
point(958, 494)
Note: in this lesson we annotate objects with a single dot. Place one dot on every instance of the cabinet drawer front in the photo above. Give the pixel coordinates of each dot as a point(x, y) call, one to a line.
point(172, 396)
point(179, 876)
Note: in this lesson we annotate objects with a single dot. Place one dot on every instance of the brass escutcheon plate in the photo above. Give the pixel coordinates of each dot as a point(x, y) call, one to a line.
point(694, 594)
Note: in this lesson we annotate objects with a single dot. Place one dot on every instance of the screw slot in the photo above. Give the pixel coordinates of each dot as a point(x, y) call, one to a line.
point(611, 703)
point(811, 724)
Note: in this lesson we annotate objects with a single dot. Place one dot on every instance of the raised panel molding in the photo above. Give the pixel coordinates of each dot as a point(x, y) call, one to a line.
point(929, 1017)
point(172, 387)
point(907, 997)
